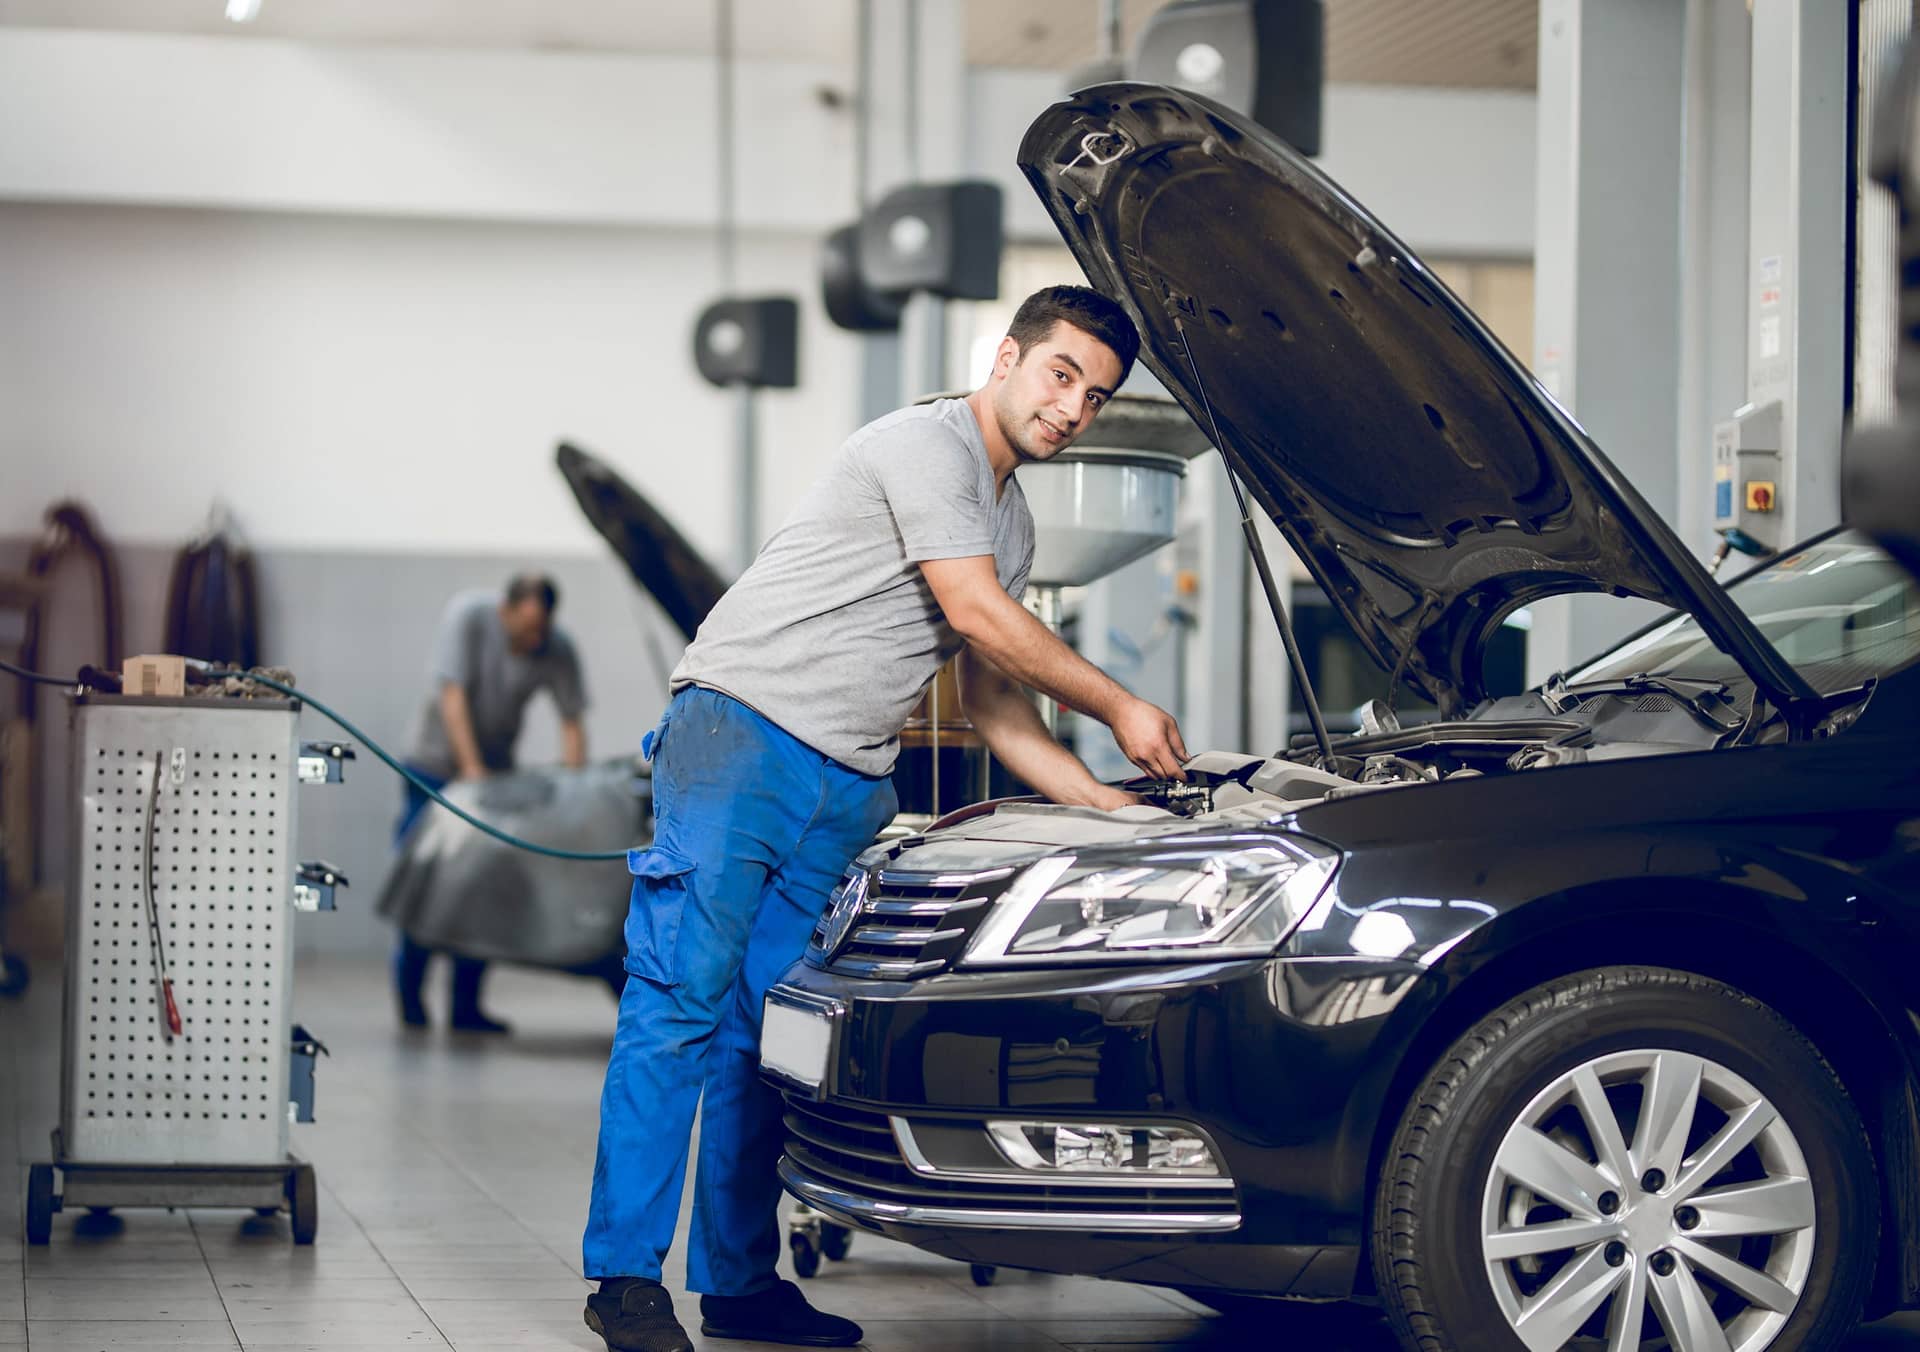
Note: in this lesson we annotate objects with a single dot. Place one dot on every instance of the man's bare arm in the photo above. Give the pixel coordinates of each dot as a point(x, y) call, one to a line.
point(1001, 630)
point(573, 742)
point(1002, 711)
point(458, 719)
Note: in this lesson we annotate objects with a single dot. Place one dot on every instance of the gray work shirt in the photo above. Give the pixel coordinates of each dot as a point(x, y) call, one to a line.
point(833, 632)
point(471, 652)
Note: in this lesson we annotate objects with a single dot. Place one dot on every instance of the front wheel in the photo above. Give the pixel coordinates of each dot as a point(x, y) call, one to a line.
point(303, 1203)
point(1628, 1158)
point(41, 1204)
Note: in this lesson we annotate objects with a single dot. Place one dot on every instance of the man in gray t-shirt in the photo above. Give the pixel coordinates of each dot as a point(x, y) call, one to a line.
point(492, 654)
point(769, 775)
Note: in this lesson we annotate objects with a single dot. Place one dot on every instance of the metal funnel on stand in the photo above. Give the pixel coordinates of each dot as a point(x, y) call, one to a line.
point(1097, 506)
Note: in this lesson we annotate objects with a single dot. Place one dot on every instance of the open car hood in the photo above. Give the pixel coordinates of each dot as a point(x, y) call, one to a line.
point(1418, 470)
point(660, 558)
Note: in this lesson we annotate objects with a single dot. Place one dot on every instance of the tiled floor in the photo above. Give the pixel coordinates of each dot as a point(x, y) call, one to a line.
point(453, 1178)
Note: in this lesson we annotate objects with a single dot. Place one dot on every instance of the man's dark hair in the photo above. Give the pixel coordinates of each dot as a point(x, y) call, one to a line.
point(537, 585)
point(1093, 314)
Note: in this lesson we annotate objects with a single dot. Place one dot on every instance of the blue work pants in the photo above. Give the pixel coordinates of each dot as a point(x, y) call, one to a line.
point(752, 829)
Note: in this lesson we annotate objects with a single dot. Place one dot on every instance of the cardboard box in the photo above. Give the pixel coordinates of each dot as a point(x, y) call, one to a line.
point(162, 675)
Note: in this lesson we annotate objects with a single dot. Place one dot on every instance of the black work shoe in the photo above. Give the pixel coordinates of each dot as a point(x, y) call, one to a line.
point(635, 1314)
point(779, 1314)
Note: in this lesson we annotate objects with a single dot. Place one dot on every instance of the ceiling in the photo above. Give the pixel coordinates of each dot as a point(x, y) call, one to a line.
point(1465, 43)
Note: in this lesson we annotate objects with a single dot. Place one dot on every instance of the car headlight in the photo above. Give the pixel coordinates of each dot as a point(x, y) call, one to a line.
point(1200, 897)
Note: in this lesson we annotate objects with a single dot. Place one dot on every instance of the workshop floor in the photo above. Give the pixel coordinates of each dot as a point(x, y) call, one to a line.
point(453, 1178)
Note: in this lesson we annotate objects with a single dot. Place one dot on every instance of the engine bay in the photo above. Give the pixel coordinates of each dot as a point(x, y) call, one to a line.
point(1536, 730)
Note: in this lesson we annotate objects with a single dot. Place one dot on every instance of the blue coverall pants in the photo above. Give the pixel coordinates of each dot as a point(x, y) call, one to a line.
point(752, 829)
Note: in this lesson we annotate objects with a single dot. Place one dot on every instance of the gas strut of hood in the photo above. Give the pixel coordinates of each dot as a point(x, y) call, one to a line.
point(1261, 565)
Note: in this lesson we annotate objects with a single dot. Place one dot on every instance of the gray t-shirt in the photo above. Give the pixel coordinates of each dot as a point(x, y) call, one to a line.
point(833, 632)
point(471, 651)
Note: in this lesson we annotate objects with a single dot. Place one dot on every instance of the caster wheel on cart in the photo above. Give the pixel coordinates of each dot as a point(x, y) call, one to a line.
point(40, 1204)
point(13, 974)
point(806, 1254)
point(983, 1273)
point(303, 1201)
point(835, 1240)
point(99, 1211)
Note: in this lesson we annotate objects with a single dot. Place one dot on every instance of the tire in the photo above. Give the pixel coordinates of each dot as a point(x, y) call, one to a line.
point(40, 1204)
point(1512, 1100)
point(303, 1203)
point(835, 1241)
point(983, 1274)
point(806, 1255)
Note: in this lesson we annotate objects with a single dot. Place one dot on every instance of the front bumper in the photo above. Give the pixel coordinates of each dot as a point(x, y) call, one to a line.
point(1271, 1061)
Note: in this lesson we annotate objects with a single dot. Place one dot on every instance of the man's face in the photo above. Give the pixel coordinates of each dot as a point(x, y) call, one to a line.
point(1048, 395)
point(527, 624)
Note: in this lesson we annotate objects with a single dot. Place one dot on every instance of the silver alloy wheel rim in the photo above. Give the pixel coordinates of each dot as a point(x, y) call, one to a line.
point(1736, 1172)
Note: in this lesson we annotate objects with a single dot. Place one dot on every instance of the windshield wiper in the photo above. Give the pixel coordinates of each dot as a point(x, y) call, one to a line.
point(1697, 696)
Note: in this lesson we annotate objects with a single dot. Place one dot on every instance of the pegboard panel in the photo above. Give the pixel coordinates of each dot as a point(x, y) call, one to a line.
point(221, 881)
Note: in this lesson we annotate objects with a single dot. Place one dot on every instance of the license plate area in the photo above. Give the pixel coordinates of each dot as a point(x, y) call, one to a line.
point(798, 1034)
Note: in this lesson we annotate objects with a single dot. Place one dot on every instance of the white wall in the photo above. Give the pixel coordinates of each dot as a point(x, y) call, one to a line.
point(504, 135)
point(379, 384)
point(359, 292)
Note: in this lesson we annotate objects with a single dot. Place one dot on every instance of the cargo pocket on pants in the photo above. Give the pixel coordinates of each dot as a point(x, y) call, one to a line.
point(662, 885)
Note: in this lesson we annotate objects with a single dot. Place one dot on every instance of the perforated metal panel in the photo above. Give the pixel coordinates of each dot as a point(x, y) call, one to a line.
point(222, 823)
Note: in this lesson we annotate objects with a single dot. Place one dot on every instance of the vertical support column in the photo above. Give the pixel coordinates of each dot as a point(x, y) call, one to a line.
point(1797, 248)
point(1713, 275)
point(918, 134)
point(747, 442)
point(1607, 260)
point(1213, 716)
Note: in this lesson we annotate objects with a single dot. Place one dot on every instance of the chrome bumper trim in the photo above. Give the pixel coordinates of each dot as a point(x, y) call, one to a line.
point(871, 1211)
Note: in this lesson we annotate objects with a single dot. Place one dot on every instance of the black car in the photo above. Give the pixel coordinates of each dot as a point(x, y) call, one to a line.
point(1582, 1017)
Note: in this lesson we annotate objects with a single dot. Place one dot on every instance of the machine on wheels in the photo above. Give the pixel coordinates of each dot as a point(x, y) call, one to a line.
point(181, 1071)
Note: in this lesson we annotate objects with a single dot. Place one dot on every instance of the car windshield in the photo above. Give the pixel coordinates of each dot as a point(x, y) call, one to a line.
point(1840, 610)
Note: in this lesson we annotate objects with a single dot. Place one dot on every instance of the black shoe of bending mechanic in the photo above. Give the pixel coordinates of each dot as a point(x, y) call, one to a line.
point(779, 1314)
point(636, 1315)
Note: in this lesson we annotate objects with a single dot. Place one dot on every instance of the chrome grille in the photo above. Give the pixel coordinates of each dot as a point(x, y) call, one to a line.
point(896, 926)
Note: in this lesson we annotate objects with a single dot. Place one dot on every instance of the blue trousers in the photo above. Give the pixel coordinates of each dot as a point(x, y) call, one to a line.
point(752, 829)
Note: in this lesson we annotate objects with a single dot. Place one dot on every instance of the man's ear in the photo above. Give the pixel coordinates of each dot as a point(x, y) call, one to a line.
point(1006, 358)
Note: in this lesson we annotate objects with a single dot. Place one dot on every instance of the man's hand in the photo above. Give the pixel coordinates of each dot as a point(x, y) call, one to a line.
point(1148, 736)
point(1109, 799)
